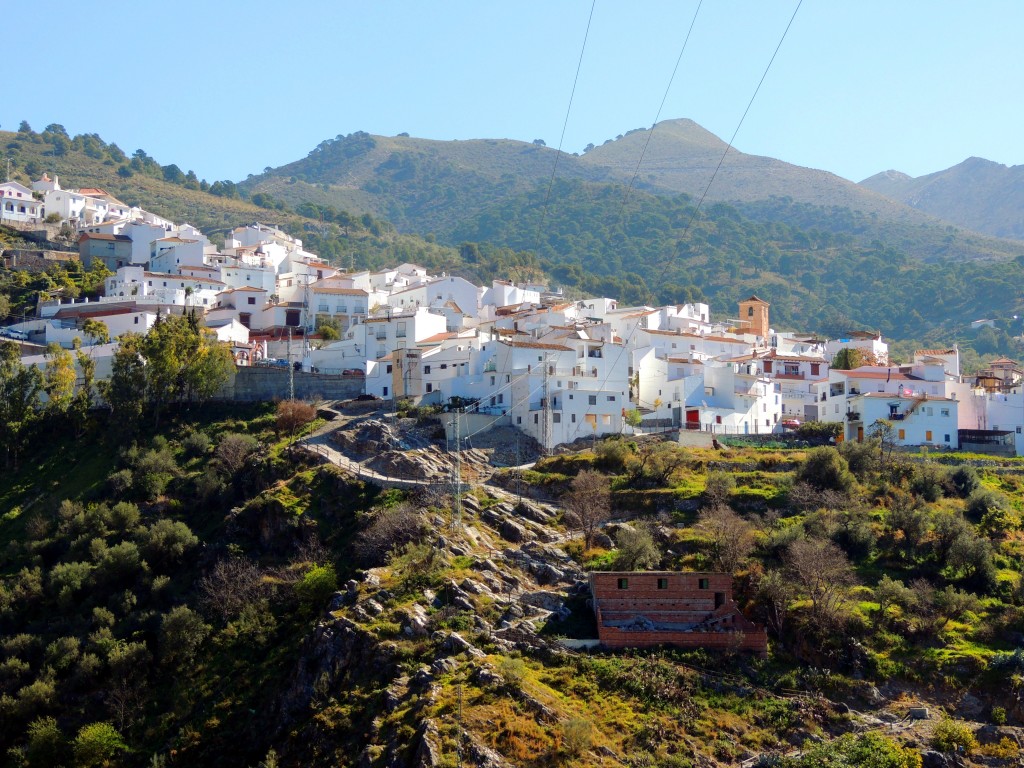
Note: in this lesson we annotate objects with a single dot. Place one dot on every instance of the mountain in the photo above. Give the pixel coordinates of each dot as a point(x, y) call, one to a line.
point(823, 268)
point(438, 187)
point(978, 194)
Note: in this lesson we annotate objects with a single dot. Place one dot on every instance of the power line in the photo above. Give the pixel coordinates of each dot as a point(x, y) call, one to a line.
point(565, 123)
point(661, 106)
point(696, 210)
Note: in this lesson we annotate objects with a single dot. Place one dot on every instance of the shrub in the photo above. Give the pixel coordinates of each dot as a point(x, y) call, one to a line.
point(293, 414)
point(953, 736)
point(825, 469)
point(964, 481)
point(513, 670)
point(196, 444)
point(577, 735)
point(998, 716)
point(317, 585)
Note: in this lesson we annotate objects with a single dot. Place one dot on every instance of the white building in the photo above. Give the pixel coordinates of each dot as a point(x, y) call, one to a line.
point(18, 204)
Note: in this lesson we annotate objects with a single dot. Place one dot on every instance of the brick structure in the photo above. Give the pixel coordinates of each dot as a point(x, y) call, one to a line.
point(690, 610)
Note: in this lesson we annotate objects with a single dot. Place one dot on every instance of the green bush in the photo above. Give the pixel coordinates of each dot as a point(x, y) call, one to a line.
point(953, 736)
point(577, 735)
point(97, 744)
point(826, 470)
point(316, 587)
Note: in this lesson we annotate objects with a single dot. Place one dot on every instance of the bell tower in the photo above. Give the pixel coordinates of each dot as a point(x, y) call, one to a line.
point(754, 317)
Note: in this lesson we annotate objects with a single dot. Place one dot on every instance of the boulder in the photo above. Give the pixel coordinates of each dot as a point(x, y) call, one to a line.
point(512, 531)
point(416, 621)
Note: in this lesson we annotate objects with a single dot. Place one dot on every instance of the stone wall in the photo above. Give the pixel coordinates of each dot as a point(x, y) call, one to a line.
point(256, 384)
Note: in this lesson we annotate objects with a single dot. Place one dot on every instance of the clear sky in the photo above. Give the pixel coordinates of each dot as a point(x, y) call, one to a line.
point(225, 87)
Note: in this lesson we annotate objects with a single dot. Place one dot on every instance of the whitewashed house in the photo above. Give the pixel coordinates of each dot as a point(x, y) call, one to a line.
point(18, 204)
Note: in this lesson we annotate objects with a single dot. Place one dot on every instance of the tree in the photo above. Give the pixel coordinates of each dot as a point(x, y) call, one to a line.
point(96, 331)
point(20, 389)
point(182, 631)
point(587, 504)
point(826, 470)
point(774, 593)
point(59, 380)
point(125, 390)
point(824, 572)
point(633, 418)
point(233, 451)
point(230, 586)
point(97, 744)
point(46, 744)
point(637, 549)
point(848, 358)
point(24, 127)
point(731, 537)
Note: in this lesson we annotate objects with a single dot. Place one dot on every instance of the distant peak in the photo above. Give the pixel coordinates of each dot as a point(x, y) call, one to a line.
point(889, 175)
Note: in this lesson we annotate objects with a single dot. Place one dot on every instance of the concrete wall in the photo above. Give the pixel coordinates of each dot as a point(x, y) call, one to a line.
point(255, 384)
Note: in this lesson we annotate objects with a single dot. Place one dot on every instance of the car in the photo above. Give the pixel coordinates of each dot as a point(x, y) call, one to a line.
point(352, 372)
point(791, 423)
point(13, 334)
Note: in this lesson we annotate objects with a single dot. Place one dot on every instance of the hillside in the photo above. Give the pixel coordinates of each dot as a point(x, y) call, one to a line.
point(87, 161)
point(823, 269)
point(202, 594)
point(978, 194)
point(435, 186)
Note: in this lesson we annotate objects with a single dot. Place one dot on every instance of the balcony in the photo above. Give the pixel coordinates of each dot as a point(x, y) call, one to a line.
point(852, 416)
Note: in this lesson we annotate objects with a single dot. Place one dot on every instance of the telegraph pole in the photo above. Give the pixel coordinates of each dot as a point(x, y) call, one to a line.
point(291, 368)
point(457, 507)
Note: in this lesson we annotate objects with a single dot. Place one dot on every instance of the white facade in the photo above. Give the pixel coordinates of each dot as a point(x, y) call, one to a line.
point(18, 204)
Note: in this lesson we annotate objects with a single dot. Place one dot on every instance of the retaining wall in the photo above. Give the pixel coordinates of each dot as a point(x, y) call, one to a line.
point(252, 384)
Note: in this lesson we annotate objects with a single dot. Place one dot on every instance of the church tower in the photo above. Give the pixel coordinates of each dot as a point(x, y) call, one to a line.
point(754, 317)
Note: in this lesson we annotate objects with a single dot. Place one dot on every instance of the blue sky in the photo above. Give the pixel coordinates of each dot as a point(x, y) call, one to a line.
point(226, 88)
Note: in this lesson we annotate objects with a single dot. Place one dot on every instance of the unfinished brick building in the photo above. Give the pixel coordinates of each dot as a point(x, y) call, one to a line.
point(690, 610)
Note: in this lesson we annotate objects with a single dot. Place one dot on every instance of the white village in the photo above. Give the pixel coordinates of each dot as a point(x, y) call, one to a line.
point(558, 369)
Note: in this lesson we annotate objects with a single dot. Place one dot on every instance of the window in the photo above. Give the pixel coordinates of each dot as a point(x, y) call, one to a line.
point(535, 418)
point(385, 391)
point(767, 366)
point(137, 322)
point(492, 381)
point(750, 311)
point(557, 418)
point(814, 369)
point(444, 366)
point(947, 438)
point(662, 583)
point(501, 398)
point(611, 398)
point(623, 583)
point(426, 369)
point(703, 584)
point(519, 419)
point(251, 299)
point(388, 370)
point(944, 411)
point(592, 399)
point(430, 387)
point(574, 418)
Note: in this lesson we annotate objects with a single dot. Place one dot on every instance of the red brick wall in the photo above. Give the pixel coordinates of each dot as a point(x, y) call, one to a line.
point(683, 589)
point(756, 641)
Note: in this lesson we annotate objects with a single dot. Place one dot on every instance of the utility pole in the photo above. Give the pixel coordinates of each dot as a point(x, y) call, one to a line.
point(545, 410)
point(457, 507)
point(291, 368)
